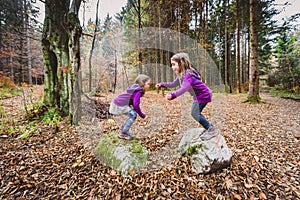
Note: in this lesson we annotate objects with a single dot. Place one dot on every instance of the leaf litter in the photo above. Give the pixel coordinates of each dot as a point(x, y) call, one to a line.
point(61, 164)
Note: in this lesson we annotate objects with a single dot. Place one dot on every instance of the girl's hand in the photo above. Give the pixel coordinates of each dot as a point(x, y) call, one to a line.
point(157, 86)
point(169, 97)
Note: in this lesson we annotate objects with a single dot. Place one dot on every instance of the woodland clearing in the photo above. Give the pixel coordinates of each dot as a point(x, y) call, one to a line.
point(57, 163)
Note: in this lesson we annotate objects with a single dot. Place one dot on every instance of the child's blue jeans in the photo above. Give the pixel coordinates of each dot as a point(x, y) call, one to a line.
point(132, 116)
point(196, 114)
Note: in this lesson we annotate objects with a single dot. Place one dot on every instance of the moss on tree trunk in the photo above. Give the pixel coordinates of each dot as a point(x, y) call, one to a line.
point(60, 42)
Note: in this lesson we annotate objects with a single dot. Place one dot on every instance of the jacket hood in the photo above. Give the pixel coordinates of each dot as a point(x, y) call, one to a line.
point(134, 88)
point(194, 74)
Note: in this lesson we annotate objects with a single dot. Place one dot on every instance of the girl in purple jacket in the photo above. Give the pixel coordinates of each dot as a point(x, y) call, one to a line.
point(128, 103)
point(189, 80)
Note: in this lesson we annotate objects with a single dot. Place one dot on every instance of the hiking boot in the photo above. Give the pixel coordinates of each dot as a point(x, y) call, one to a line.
point(125, 136)
point(211, 132)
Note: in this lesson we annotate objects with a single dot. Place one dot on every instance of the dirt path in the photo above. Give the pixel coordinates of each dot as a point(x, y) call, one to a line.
point(289, 112)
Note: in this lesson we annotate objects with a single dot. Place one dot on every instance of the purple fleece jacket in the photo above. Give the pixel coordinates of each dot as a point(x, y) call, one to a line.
point(131, 97)
point(192, 83)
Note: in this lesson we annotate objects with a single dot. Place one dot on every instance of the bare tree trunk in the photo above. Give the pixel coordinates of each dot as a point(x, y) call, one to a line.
point(92, 49)
point(116, 73)
point(244, 56)
point(253, 95)
point(229, 69)
point(137, 8)
point(238, 49)
point(12, 71)
point(161, 53)
point(226, 54)
point(158, 47)
point(205, 44)
point(26, 24)
point(201, 66)
point(156, 54)
point(74, 52)
point(244, 51)
point(139, 35)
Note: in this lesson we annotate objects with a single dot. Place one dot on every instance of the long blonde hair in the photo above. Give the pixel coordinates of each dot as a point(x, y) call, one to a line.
point(183, 61)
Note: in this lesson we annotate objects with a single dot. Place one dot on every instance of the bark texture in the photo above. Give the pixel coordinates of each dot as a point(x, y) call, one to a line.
point(61, 54)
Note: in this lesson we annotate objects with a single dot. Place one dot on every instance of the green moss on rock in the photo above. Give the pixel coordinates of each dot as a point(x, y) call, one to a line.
point(121, 155)
point(193, 149)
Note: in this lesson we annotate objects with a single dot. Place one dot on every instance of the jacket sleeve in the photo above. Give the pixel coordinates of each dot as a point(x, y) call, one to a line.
point(173, 84)
point(136, 104)
point(185, 86)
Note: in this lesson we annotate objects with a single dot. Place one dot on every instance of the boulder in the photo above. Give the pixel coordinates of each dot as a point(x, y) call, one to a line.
point(205, 156)
point(121, 155)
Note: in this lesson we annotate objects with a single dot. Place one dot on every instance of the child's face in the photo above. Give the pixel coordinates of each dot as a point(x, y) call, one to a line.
point(175, 66)
point(147, 85)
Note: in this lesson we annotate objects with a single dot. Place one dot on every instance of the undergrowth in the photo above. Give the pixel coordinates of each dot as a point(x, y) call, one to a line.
point(7, 88)
point(285, 94)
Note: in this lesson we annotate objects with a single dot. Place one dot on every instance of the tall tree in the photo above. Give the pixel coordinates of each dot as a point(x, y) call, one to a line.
point(238, 50)
point(136, 4)
point(15, 35)
point(92, 48)
point(287, 52)
point(253, 95)
point(61, 54)
point(27, 30)
point(228, 65)
point(266, 28)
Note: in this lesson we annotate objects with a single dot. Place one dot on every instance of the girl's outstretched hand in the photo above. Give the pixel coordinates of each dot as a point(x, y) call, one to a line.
point(169, 96)
point(157, 86)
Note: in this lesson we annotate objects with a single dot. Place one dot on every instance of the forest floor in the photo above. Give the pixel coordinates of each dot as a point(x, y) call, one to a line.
point(59, 163)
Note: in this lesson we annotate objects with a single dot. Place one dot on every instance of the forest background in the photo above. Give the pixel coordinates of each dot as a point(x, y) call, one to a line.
point(222, 30)
point(41, 153)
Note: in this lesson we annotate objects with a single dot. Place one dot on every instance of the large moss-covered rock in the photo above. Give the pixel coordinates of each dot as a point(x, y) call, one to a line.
point(121, 155)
